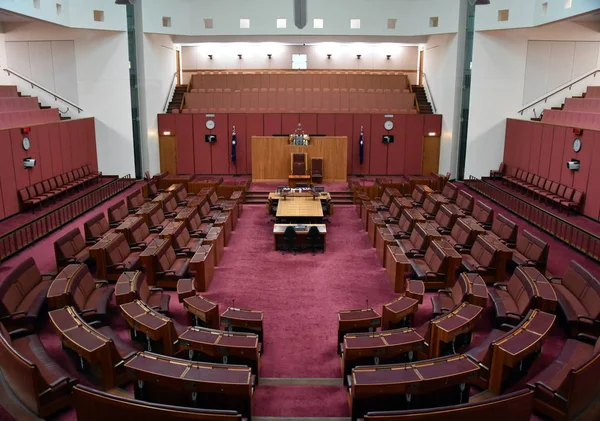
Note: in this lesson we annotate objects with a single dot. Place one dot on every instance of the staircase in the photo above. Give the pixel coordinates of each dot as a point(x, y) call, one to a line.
point(45, 107)
point(175, 103)
point(260, 197)
point(421, 96)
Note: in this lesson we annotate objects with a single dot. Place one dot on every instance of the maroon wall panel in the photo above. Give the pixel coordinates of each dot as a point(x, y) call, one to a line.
point(93, 151)
point(525, 133)
point(432, 124)
point(567, 176)
point(185, 145)
point(378, 150)
point(546, 150)
point(580, 179)
point(396, 164)
point(254, 127)
point(326, 124)
point(272, 124)
point(65, 145)
point(358, 121)
point(220, 151)
point(343, 127)
point(46, 166)
point(2, 214)
point(18, 154)
point(556, 156)
point(592, 197)
point(10, 202)
point(413, 153)
point(35, 173)
point(289, 123)
point(239, 121)
point(78, 143)
point(510, 159)
point(166, 123)
point(309, 123)
point(201, 149)
point(536, 144)
point(56, 150)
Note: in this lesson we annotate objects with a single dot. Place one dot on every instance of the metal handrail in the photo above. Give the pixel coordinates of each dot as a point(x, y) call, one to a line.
point(171, 91)
point(560, 89)
point(54, 94)
point(429, 94)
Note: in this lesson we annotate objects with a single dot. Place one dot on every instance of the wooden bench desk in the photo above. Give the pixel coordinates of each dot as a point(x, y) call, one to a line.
point(447, 327)
point(242, 320)
point(279, 230)
point(294, 179)
point(299, 208)
point(203, 311)
point(125, 289)
point(356, 321)
point(203, 267)
point(397, 312)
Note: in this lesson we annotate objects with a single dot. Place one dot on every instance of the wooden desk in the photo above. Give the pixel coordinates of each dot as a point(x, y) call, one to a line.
point(424, 384)
point(58, 294)
point(215, 237)
point(293, 180)
point(98, 253)
point(503, 256)
point(477, 292)
point(91, 345)
point(202, 266)
point(279, 230)
point(146, 210)
point(271, 157)
point(383, 238)
point(127, 227)
point(161, 331)
point(546, 299)
point(173, 381)
point(454, 260)
point(397, 266)
point(447, 327)
point(125, 289)
point(304, 194)
point(241, 320)
point(299, 208)
point(186, 287)
point(524, 340)
point(355, 321)
point(396, 313)
point(221, 346)
point(431, 233)
point(203, 311)
point(390, 346)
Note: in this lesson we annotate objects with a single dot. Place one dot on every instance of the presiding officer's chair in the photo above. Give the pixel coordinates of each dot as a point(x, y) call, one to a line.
point(299, 163)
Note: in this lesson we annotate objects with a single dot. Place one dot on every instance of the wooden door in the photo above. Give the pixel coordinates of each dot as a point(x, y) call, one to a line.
point(178, 64)
point(168, 154)
point(431, 155)
point(421, 56)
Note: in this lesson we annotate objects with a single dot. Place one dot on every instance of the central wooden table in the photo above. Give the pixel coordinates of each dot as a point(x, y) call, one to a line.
point(299, 207)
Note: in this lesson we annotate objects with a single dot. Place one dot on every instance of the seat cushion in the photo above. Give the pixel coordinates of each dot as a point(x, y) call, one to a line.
point(32, 303)
point(420, 268)
point(442, 303)
point(569, 304)
point(503, 303)
point(180, 266)
point(31, 348)
point(99, 299)
point(83, 256)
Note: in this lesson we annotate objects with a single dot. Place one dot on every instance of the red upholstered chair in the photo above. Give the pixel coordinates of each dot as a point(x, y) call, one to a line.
point(530, 251)
point(120, 257)
point(135, 200)
point(513, 299)
point(96, 227)
point(448, 298)
point(504, 229)
point(481, 258)
point(299, 163)
point(465, 201)
point(89, 296)
point(117, 213)
point(316, 169)
point(483, 214)
point(71, 248)
point(22, 296)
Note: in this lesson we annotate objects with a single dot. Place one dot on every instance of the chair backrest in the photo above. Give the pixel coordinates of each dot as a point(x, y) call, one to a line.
point(434, 257)
point(140, 231)
point(482, 213)
point(117, 250)
point(313, 232)
point(165, 256)
point(418, 237)
point(69, 244)
point(170, 204)
point(135, 199)
point(461, 233)
point(483, 252)
point(430, 204)
point(17, 285)
point(505, 228)
point(584, 286)
point(81, 286)
point(316, 166)
point(157, 217)
point(298, 163)
point(96, 226)
point(464, 201)
point(450, 191)
point(521, 289)
point(532, 247)
point(443, 217)
point(142, 289)
point(289, 232)
point(118, 212)
point(459, 290)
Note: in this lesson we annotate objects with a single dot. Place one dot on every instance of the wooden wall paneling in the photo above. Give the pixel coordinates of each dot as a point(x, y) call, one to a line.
point(9, 196)
point(18, 154)
point(509, 156)
point(167, 146)
point(35, 173)
point(186, 155)
point(65, 145)
point(201, 149)
point(2, 214)
point(546, 150)
point(289, 123)
point(396, 156)
point(567, 176)
point(55, 148)
point(536, 144)
point(271, 157)
point(272, 124)
point(378, 154)
point(46, 166)
point(220, 151)
point(592, 196)
point(431, 155)
point(239, 121)
point(556, 156)
point(358, 121)
point(580, 179)
point(413, 152)
point(344, 127)
point(254, 127)
point(326, 124)
point(309, 123)
point(78, 145)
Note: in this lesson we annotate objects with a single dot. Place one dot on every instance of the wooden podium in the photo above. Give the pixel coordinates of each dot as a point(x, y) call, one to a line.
point(271, 157)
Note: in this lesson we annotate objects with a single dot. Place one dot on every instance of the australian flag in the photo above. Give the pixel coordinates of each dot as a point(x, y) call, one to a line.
point(361, 146)
point(233, 145)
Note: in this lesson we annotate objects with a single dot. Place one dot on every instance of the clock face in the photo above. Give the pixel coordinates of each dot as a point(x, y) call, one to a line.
point(210, 124)
point(577, 145)
point(388, 125)
point(26, 143)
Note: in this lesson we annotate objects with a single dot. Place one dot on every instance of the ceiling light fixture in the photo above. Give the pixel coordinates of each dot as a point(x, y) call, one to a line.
point(328, 56)
point(269, 55)
point(388, 56)
point(210, 56)
point(240, 56)
point(358, 56)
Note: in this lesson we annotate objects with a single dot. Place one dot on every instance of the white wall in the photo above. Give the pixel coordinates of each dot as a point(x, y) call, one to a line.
point(498, 85)
point(102, 69)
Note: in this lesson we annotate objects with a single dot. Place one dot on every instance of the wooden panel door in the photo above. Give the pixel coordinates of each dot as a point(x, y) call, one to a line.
point(168, 153)
point(431, 155)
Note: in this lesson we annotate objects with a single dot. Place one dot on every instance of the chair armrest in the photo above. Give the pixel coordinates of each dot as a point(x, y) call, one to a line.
point(157, 289)
point(198, 235)
point(13, 315)
point(72, 260)
point(508, 243)
point(166, 272)
point(181, 255)
point(17, 333)
point(116, 266)
point(91, 242)
point(588, 319)
point(182, 249)
point(520, 316)
point(87, 310)
point(418, 255)
point(138, 244)
point(157, 227)
point(49, 275)
point(416, 251)
point(443, 230)
point(431, 272)
point(135, 248)
point(57, 382)
point(101, 283)
point(206, 219)
point(500, 285)
point(485, 267)
point(170, 214)
point(95, 323)
point(545, 386)
point(583, 337)
point(462, 247)
point(401, 234)
point(555, 280)
point(114, 224)
point(182, 202)
point(446, 291)
point(485, 226)
point(506, 327)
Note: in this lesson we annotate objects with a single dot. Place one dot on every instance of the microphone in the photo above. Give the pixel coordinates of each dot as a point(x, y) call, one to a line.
point(367, 304)
point(233, 303)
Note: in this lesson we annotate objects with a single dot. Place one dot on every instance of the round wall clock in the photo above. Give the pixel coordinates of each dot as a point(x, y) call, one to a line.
point(577, 144)
point(26, 143)
point(388, 125)
point(210, 124)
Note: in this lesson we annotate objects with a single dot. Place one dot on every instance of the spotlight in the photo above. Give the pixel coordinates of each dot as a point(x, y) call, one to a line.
point(166, 133)
point(432, 133)
point(210, 56)
point(269, 55)
point(240, 56)
point(328, 56)
point(358, 56)
point(388, 56)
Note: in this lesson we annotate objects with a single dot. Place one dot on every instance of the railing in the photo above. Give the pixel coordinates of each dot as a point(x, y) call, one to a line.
point(16, 240)
point(560, 89)
point(428, 92)
point(48, 91)
point(581, 240)
point(171, 92)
